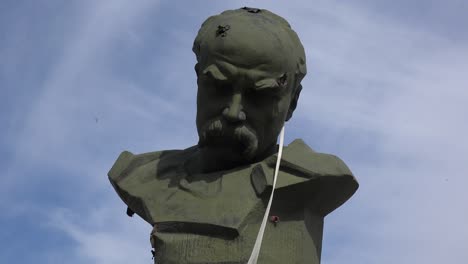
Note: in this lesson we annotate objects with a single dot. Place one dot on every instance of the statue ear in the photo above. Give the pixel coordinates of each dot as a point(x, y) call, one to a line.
point(294, 98)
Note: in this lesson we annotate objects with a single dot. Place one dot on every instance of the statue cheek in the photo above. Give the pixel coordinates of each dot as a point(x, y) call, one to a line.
point(280, 108)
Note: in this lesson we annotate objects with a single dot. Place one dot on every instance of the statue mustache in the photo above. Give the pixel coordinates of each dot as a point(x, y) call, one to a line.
point(240, 134)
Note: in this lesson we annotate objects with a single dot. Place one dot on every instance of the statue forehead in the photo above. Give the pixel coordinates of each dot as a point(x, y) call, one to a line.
point(238, 59)
point(247, 40)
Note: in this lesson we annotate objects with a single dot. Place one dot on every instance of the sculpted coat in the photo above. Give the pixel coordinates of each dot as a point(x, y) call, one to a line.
point(214, 218)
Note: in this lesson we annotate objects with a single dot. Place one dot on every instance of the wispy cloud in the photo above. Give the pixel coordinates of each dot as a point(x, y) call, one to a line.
point(77, 108)
point(102, 238)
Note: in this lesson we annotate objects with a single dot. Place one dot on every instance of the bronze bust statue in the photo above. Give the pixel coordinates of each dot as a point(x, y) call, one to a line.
point(206, 203)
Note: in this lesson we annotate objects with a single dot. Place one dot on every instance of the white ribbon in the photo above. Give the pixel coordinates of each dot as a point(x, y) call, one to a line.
point(258, 243)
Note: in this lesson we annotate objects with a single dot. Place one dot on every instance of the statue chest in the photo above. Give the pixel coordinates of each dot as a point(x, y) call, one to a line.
point(211, 204)
point(288, 241)
point(216, 218)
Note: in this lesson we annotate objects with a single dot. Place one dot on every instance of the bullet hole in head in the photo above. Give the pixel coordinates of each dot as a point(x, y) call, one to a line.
point(222, 30)
point(252, 10)
point(282, 81)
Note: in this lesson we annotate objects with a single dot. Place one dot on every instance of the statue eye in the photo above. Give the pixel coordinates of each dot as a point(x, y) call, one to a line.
point(283, 80)
point(223, 87)
point(263, 96)
point(215, 86)
point(209, 81)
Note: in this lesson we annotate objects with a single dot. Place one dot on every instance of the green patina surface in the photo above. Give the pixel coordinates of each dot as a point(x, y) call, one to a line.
point(215, 217)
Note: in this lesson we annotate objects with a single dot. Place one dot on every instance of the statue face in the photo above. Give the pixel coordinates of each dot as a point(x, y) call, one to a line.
point(241, 110)
point(247, 65)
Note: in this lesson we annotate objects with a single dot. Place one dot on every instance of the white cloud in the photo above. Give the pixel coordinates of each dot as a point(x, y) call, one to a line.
point(101, 238)
point(60, 132)
point(79, 89)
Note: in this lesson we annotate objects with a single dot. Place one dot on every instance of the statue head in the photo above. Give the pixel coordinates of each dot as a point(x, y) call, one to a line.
point(250, 64)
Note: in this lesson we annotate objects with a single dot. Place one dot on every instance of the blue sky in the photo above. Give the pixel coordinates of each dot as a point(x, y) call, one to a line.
point(386, 91)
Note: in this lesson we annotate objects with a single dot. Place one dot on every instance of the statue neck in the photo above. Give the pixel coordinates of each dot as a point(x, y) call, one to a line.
point(206, 160)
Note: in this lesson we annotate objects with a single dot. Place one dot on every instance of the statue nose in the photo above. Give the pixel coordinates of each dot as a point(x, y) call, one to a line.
point(233, 112)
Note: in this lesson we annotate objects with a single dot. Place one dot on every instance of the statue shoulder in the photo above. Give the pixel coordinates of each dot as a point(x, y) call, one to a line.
point(131, 175)
point(327, 178)
point(166, 160)
point(128, 161)
point(298, 156)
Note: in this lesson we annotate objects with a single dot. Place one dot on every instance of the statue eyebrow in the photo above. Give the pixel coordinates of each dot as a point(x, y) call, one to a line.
point(269, 83)
point(214, 72)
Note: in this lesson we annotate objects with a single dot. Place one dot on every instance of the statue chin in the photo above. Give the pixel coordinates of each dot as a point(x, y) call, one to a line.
point(222, 158)
point(212, 157)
